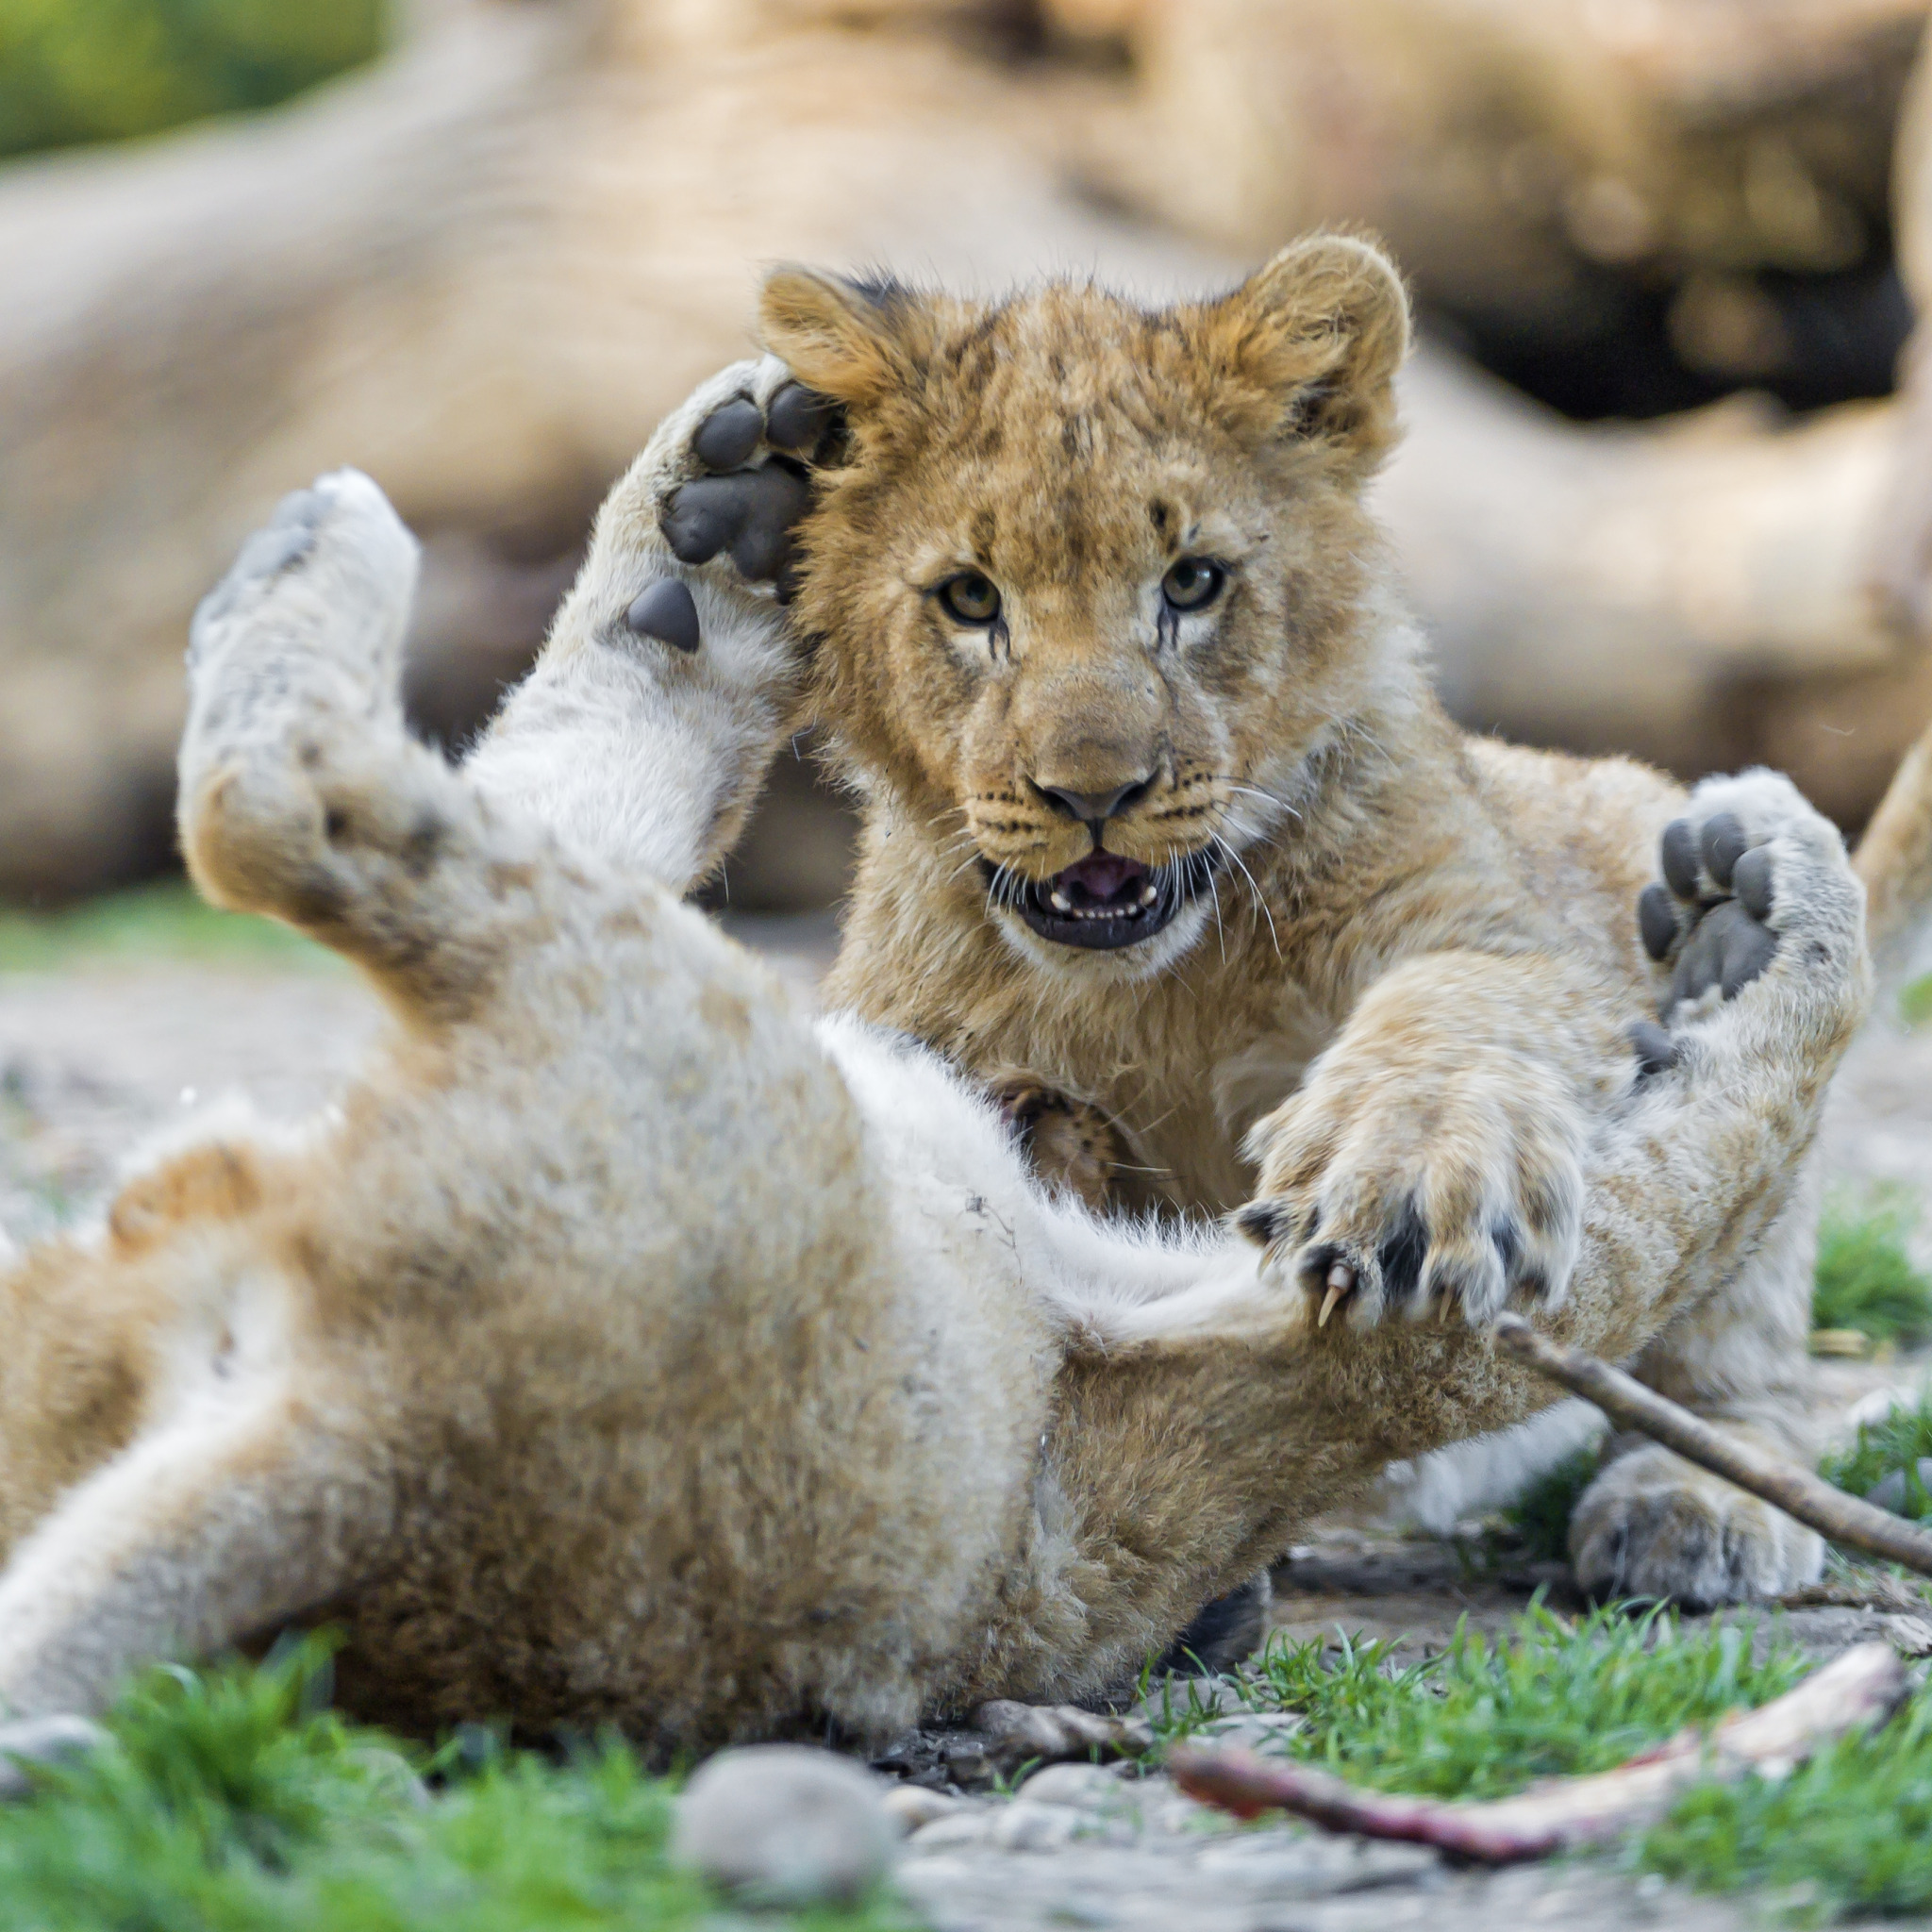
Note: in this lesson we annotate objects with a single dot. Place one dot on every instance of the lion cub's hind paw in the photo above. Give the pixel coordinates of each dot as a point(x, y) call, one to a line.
point(1653, 1526)
point(746, 443)
point(322, 589)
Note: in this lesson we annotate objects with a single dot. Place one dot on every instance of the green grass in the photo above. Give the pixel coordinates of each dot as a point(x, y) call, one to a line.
point(1865, 1276)
point(233, 1801)
point(74, 71)
point(1847, 1834)
point(1896, 1440)
point(163, 920)
point(1486, 1715)
point(1915, 1001)
point(1539, 1519)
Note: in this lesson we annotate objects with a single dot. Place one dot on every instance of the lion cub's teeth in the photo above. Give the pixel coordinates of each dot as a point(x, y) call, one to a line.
point(1148, 894)
point(1061, 902)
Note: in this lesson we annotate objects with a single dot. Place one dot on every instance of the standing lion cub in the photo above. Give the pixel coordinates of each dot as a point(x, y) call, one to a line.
point(625, 1347)
point(1162, 815)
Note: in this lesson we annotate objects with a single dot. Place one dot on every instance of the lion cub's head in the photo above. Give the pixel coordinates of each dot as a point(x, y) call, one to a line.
point(1092, 578)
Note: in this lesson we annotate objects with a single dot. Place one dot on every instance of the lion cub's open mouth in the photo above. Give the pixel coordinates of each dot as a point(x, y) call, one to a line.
point(1104, 901)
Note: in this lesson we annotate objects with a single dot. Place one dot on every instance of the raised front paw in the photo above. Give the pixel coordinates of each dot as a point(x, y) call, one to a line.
point(1654, 1525)
point(731, 467)
point(1389, 1188)
point(1748, 861)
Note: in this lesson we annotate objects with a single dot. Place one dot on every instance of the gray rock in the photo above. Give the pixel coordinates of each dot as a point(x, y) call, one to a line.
point(1082, 1785)
point(1313, 1865)
point(1024, 1827)
point(1889, 1492)
point(41, 1741)
point(1254, 1730)
point(914, 1806)
point(783, 1825)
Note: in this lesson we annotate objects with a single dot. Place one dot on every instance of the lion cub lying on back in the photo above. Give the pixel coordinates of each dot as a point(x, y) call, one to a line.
point(1161, 814)
point(625, 1348)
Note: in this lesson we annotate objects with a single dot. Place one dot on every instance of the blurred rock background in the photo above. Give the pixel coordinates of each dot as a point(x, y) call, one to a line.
point(1668, 481)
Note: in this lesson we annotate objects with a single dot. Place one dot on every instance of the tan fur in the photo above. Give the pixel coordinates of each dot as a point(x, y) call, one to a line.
point(1408, 990)
point(626, 1347)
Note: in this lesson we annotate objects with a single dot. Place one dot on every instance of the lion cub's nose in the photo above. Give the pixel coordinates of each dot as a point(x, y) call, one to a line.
point(1093, 806)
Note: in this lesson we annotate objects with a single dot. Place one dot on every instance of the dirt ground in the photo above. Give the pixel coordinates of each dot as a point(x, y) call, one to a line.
point(94, 1057)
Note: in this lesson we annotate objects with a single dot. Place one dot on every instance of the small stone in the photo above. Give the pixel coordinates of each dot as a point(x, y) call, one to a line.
point(1310, 1866)
point(41, 1741)
point(915, 1806)
point(969, 1826)
point(1021, 1826)
point(1889, 1492)
point(1911, 1636)
point(1082, 1785)
point(783, 1825)
point(1255, 1730)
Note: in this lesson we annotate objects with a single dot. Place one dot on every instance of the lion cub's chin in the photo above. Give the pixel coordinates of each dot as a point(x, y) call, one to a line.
point(1120, 965)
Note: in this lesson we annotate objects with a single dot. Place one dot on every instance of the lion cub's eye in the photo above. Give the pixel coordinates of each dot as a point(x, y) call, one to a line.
point(970, 598)
point(1193, 584)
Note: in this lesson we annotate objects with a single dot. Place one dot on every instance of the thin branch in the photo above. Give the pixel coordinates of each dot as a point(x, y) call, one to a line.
point(1858, 1691)
point(1843, 1519)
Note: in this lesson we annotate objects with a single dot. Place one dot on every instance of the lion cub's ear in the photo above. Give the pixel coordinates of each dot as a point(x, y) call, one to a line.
point(853, 340)
point(1316, 338)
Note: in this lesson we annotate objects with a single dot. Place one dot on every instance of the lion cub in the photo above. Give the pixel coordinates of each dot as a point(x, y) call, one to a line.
point(1161, 811)
point(625, 1347)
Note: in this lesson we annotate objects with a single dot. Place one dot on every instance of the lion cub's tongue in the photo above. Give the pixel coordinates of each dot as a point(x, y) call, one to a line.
point(1096, 878)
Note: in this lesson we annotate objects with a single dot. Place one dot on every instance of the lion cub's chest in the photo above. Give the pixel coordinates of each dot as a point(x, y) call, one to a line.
point(1184, 1087)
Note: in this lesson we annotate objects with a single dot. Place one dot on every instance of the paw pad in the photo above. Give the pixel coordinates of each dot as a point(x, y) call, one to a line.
point(748, 513)
point(1705, 917)
point(666, 612)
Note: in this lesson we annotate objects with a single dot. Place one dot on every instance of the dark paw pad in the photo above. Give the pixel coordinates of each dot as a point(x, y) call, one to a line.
point(1656, 920)
point(1680, 856)
point(749, 515)
point(665, 610)
point(1708, 939)
point(798, 418)
point(1402, 1254)
point(1265, 1223)
point(1729, 950)
point(1723, 844)
point(1656, 1051)
point(728, 436)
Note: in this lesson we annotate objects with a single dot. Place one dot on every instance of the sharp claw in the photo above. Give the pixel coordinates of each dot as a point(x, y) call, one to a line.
point(1340, 1282)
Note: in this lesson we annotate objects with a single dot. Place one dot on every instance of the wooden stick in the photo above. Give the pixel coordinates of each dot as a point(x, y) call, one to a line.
point(1857, 1691)
point(1847, 1520)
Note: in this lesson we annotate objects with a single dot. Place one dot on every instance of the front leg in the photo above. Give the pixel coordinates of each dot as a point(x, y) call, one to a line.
point(1433, 1158)
point(670, 675)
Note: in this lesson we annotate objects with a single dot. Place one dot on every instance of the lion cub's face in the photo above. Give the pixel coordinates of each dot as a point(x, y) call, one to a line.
point(1092, 578)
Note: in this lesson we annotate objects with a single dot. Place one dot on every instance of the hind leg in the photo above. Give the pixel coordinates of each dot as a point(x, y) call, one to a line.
point(237, 1515)
point(301, 795)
